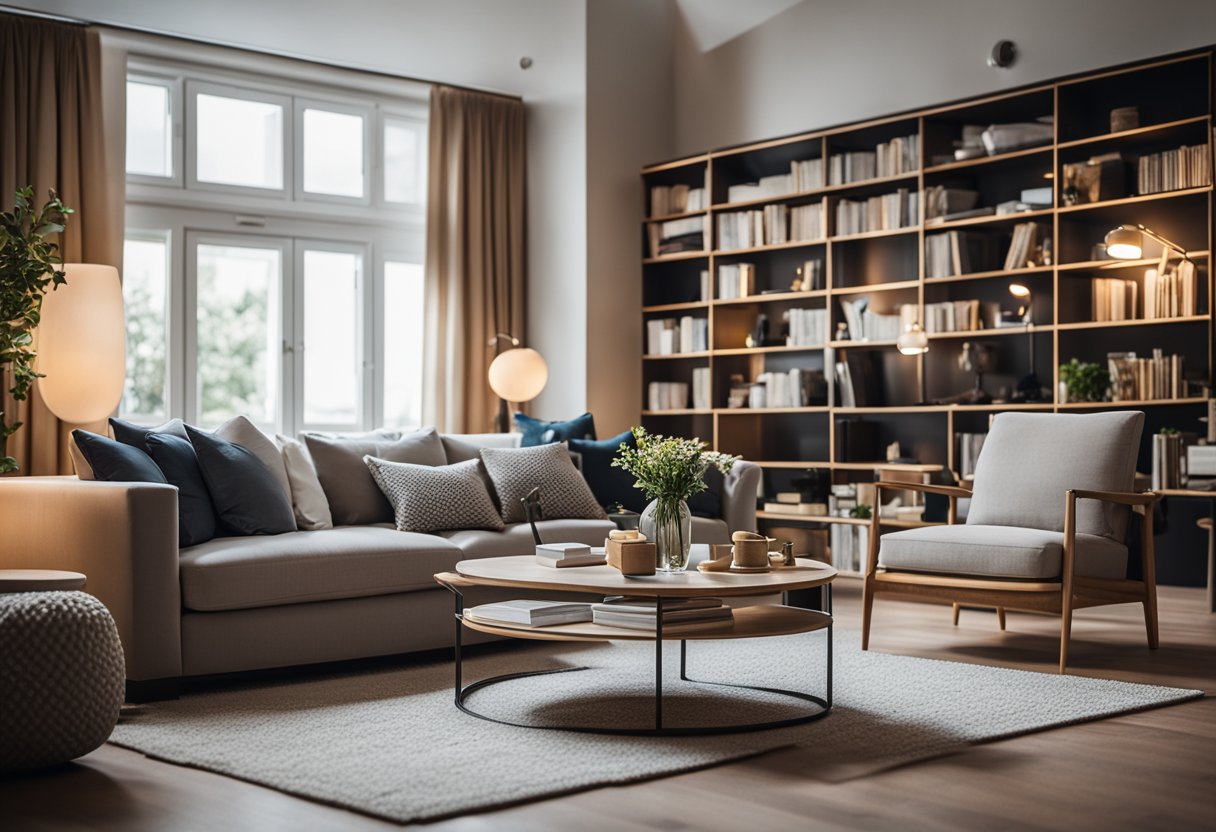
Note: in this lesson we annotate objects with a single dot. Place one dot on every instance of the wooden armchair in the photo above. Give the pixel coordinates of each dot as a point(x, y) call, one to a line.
point(1046, 530)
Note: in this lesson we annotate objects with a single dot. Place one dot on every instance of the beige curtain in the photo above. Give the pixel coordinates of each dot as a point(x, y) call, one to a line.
point(51, 136)
point(475, 259)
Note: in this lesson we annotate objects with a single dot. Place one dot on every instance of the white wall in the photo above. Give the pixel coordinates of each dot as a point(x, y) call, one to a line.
point(825, 62)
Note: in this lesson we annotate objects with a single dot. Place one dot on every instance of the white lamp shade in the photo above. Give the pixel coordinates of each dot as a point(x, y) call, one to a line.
point(1125, 243)
point(518, 375)
point(913, 341)
point(82, 344)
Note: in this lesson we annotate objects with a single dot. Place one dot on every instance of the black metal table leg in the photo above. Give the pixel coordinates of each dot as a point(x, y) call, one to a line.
point(658, 664)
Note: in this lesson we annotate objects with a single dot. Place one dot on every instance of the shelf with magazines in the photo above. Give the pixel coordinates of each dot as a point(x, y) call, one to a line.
point(983, 222)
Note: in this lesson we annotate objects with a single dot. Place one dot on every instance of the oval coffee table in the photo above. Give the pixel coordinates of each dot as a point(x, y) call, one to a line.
point(523, 572)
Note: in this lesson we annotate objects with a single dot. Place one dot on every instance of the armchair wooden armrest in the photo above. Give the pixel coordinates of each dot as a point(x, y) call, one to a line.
point(951, 491)
point(947, 490)
point(1139, 501)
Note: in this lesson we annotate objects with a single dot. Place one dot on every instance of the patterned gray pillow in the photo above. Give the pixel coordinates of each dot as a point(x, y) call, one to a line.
point(563, 491)
point(435, 498)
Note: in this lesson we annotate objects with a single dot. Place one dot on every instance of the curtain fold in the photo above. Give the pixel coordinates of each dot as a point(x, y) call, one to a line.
point(475, 251)
point(52, 136)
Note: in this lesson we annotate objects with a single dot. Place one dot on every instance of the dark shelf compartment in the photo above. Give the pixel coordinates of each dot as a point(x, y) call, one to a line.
point(874, 261)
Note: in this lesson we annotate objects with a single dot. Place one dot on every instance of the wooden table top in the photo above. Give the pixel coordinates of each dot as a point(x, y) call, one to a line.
point(524, 572)
point(39, 580)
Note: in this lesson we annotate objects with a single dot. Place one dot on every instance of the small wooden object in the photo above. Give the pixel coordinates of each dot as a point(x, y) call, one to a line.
point(630, 553)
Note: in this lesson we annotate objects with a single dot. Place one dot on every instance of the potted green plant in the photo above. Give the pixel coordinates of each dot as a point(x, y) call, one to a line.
point(669, 471)
point(29, 264)
point(1084, 381)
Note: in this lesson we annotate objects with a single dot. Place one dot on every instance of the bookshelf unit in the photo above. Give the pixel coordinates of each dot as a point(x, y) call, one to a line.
point(921, 401)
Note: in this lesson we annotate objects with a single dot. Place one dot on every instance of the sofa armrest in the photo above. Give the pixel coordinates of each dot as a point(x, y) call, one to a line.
point(123, 537)
point(739, 496)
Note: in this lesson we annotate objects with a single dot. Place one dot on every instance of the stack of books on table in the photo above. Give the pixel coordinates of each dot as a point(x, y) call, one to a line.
point(790, 502)
point(559, 555)
point(527, 613)
point(641, 613)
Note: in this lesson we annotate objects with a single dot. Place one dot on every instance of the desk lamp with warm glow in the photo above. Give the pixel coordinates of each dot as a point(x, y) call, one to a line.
point(1127, 242)
point(517, 374)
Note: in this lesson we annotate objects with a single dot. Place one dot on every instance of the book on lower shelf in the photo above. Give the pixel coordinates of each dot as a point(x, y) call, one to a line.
point(848, 544)
point(531, 613)
point(1170, 294)
point(1139, 379)
point(878, 213)
point(797, 509)
point(673, 336)
point(1171, 170)
point(678, 236)
point(736, 280)
point(667, 395)
point(642, 613)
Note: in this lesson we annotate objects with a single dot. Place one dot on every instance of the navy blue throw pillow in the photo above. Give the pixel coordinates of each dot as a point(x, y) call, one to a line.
point(540, 432)
point(129, 433)
point(610, 485)
point(195, 512)
point(247, 498)
point(115, 462)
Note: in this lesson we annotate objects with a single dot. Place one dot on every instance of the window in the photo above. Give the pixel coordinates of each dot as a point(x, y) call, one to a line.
point(265, 287)
point(145, 287)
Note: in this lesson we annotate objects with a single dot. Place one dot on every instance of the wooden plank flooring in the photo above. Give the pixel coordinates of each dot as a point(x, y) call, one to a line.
point(1152, 770)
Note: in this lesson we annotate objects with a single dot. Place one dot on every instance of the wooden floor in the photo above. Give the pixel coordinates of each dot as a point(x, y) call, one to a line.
point(1153, 770)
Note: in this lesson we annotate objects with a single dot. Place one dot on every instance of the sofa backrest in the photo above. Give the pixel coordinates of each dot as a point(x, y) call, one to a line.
point(461, 447)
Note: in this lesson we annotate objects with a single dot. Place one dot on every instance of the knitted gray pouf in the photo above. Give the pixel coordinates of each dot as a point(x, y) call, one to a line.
point(61, 678)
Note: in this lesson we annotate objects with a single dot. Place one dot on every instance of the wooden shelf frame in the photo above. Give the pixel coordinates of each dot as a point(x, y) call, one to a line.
point(1058, 334)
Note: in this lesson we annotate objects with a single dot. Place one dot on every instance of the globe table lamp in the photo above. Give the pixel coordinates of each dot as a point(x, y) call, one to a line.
point(82, 344)
point(517, 374)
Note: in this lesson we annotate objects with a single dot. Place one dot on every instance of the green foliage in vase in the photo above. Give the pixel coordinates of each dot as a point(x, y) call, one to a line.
point(29, 265)
point(667, 468)
point(1169, 432)
point(1085, 380)
point(861, 512)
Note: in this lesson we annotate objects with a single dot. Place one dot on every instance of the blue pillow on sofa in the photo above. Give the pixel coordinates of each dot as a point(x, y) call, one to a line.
point(129, 433)
point(609, 485)
point(115, 462)
point(247, 498)
point(540, 432)
point(195, 512)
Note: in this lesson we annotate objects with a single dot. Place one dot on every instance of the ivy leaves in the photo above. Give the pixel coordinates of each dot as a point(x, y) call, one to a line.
point(29, 265)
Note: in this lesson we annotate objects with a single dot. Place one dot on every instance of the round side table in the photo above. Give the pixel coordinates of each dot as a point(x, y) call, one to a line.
point(39, 580)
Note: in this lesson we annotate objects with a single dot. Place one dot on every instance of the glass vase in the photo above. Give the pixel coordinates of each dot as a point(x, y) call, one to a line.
point(668, 524)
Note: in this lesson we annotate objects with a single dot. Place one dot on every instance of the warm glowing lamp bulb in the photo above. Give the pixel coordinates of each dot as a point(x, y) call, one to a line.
point(1125, 243)
point(913, 341)
point(518, 375)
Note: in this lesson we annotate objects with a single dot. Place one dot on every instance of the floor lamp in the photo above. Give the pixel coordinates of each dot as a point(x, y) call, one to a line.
point(517, 374)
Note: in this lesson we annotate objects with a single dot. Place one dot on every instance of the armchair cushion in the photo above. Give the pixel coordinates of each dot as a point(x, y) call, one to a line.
point(998, 552)
point(1030, 460)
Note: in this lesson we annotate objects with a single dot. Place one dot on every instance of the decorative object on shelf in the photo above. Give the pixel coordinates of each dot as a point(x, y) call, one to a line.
point(669, 471)
point(979, 358)
point(1083, 381)
point(1127, 242)
point(517, 374)
point(1124, 118)
point(758, 337)
point(29, 264)
point(1096, 179)
point(1167, 459)
point(913, 341)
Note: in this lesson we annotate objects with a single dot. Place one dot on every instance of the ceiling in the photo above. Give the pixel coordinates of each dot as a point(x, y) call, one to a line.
point(714, 22)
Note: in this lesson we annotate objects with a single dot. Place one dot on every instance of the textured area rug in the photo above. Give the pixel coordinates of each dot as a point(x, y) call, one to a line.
point(391, 743)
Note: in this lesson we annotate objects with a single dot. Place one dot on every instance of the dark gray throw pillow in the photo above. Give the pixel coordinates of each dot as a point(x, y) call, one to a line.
point(563, 491)
point(129, 433)
point(195, 511)
point(354, 498)
point(247, 498)
point(436, 498)
point(114, 461)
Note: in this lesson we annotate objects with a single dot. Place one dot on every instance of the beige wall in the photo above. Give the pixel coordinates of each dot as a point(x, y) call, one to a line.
point(826, 62)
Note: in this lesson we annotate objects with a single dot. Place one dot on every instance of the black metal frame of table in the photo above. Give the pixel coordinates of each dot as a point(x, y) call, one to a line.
point(823, 703)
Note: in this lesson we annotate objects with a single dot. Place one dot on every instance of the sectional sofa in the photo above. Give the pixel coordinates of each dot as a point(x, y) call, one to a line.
point(247, 603)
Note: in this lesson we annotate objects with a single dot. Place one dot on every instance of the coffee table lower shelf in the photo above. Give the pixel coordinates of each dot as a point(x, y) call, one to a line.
point(748, 622)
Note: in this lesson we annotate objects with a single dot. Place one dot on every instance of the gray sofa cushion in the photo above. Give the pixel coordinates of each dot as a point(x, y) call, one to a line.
point(464, 446)
point(998, 552)
point(354, 499)
point(232, 573)
point(1030, 460)
point(431, 498)
point(563, 491)
point(516, 539)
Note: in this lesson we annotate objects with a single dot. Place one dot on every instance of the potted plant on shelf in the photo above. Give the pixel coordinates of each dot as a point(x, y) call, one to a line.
point(29, 264)
point(1083, 381)
point(669, 471)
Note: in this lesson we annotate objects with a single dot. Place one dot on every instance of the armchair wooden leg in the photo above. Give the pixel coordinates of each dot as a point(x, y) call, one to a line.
point(1149, 567)
point(1068, 561)
point(957, 607)
point(867, 609)
point(1065, 628)
point(1000, 617)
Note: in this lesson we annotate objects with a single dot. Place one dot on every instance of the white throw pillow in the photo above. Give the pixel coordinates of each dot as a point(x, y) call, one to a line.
point(240, 431)
point(307, 497)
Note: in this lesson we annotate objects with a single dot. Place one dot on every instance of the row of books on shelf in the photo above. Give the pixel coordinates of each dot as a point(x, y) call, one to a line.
point(615, 611)
point(792, 388)
point(864, 324)
point(673, 395)
point(807, 327)
point(771, 225)
point(899, 155)
point(969, 446)
point(676, 199)
point(944, 204)
point(672, 336)
point(736, 280)
point(878, 213)
point(1172, 294)
point(804, 175)
point(1170, 170)
point(792, 503)
point(961, 252)
point(952, 315)
point(677, 236)
point(1137, 379)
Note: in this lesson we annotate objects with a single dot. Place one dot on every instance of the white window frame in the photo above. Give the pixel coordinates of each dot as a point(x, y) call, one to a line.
point(365, 112)
point(385, 115)
point(196, 88)
point(176, 157)
point(166, 237)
